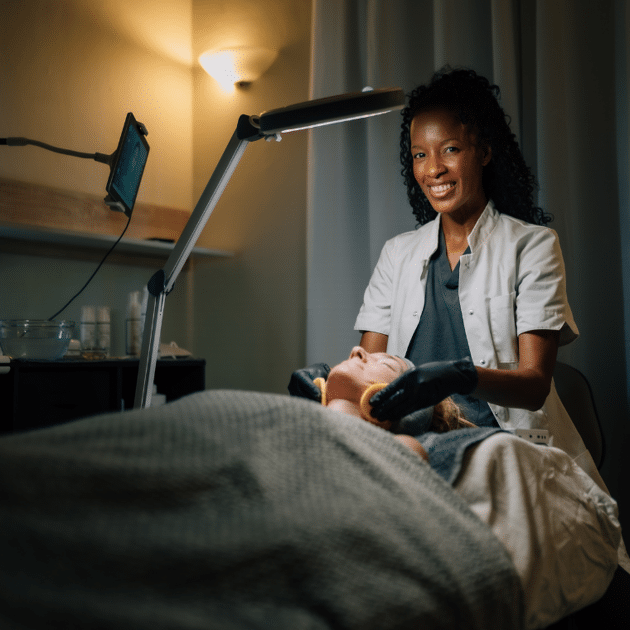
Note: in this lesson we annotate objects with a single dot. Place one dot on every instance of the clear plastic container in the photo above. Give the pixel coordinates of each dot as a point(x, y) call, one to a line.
point(36, 339)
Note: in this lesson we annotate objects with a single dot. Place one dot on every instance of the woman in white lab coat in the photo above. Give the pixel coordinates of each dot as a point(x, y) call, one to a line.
point(478, 291)
point(476, 296)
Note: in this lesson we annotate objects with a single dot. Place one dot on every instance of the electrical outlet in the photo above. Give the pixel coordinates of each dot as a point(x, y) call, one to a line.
point(537, 436)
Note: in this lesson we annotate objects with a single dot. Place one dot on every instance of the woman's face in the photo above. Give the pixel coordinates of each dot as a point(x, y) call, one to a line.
point(448, 163)
point(349, 379)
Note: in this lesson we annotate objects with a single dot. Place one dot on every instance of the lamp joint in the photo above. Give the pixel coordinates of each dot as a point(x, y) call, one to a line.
point(157, 284)
point(247, 128)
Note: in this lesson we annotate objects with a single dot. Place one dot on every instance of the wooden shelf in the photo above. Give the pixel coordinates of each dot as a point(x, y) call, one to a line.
point(37, 219)
point(82, 240)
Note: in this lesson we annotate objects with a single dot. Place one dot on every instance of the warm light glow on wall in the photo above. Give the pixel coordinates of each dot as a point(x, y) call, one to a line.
point(234, 66)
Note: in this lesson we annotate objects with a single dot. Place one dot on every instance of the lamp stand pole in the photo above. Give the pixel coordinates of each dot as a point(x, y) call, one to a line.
point(162, 282)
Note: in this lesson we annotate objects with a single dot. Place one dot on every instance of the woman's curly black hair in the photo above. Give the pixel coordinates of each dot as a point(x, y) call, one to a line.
point(507, 179)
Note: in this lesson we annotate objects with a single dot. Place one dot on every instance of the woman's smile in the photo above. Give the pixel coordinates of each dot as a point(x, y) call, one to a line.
point(448, 164)
point(440, 190)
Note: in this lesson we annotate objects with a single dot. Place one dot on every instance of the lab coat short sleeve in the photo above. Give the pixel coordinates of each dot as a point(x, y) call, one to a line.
point(541, 298)
point(375, 313)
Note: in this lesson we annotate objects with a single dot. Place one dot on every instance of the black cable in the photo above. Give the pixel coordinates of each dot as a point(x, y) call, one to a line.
point(22, 142)
point(92, 276)
point(98, 157)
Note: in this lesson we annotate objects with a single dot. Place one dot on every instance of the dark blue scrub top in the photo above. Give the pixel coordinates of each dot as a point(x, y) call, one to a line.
point(440, 335)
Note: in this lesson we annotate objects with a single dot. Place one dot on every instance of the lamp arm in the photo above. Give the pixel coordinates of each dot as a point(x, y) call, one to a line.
point(208, 200)
point(268, 125)
point(162, 282)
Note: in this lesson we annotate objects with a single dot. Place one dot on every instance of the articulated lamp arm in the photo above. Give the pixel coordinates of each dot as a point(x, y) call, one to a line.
point(269, 124)
point(162, 282)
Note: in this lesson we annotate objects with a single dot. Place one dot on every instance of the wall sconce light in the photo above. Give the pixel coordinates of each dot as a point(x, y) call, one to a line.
point(237, 66)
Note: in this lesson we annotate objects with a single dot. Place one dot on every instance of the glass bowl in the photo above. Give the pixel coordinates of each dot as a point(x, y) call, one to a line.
point(37, 339)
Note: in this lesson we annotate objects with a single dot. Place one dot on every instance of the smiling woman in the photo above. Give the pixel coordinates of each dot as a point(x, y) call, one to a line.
point(448, 163)
point(476, 296)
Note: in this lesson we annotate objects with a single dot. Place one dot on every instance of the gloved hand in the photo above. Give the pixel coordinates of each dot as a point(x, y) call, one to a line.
point(302, 385)
point(424, 386)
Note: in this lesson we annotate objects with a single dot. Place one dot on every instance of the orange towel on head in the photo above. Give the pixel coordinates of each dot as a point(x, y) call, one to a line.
point(366, 408)
point(364, 403)
point(321, 383)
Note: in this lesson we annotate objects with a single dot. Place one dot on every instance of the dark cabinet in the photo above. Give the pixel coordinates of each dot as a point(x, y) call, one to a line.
point(37, 394)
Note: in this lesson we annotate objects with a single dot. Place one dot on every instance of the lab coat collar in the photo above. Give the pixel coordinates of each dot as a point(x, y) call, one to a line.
point(484, 227)
point(479, 235)
point(429, 243)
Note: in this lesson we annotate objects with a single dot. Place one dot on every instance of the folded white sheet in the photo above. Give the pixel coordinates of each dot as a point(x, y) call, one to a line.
point(559, 527)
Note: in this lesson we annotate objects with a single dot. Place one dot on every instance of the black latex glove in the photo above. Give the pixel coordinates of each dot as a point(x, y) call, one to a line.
point(302, 385)
point(424, 386)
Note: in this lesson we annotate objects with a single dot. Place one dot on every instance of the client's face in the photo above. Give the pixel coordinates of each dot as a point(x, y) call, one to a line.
point(349, 379)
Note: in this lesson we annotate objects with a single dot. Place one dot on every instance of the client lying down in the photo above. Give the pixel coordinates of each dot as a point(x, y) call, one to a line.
point(228, 510)
point(352, 383)
point(526, 493)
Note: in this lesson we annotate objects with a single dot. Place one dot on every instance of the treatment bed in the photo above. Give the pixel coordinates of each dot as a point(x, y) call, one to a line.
point(236, 510)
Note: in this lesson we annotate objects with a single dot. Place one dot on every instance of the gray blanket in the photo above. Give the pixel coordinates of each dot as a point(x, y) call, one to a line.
point(233, 510)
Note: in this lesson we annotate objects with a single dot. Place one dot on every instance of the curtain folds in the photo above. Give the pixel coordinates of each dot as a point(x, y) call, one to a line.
point(563, 68)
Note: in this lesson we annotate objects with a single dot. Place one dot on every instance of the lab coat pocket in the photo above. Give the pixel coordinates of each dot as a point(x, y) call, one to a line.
point(503, 327)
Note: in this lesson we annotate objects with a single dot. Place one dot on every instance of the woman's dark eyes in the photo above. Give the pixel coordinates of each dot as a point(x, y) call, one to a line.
point(417, 156)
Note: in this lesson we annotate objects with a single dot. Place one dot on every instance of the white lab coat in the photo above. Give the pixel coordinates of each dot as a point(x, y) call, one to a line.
point(511, 282)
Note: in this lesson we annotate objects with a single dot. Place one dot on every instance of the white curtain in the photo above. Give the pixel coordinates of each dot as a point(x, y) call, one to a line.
point(563, 66)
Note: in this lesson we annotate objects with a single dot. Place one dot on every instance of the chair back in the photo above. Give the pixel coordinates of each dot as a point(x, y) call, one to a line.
point(577, 397)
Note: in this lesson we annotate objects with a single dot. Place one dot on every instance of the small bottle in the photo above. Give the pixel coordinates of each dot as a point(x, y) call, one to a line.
point(103, 330)
point(134, 324)
point(87, 332)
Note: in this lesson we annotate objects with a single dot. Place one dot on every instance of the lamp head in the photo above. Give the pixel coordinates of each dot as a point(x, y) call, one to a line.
point(333, 109)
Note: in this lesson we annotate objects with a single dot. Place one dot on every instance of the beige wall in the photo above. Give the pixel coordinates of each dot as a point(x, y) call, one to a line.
point(69, 75)
point(254, 305)
point(75, 67)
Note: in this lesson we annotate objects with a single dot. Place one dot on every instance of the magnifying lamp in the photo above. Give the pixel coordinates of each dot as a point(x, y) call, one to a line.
point(268, 125)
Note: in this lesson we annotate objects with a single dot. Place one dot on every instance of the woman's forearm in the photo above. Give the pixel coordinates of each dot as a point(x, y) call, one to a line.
point(374, 342)
point(526, 387)
point(522, 389)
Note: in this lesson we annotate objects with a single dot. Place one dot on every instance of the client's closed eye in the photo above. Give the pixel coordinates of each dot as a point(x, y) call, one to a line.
point(393, 367)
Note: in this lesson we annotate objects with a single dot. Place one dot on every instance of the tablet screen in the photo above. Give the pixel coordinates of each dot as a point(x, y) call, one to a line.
point(131, 158)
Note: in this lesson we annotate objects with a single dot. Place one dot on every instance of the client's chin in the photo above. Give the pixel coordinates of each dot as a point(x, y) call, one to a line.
point(342, 385)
